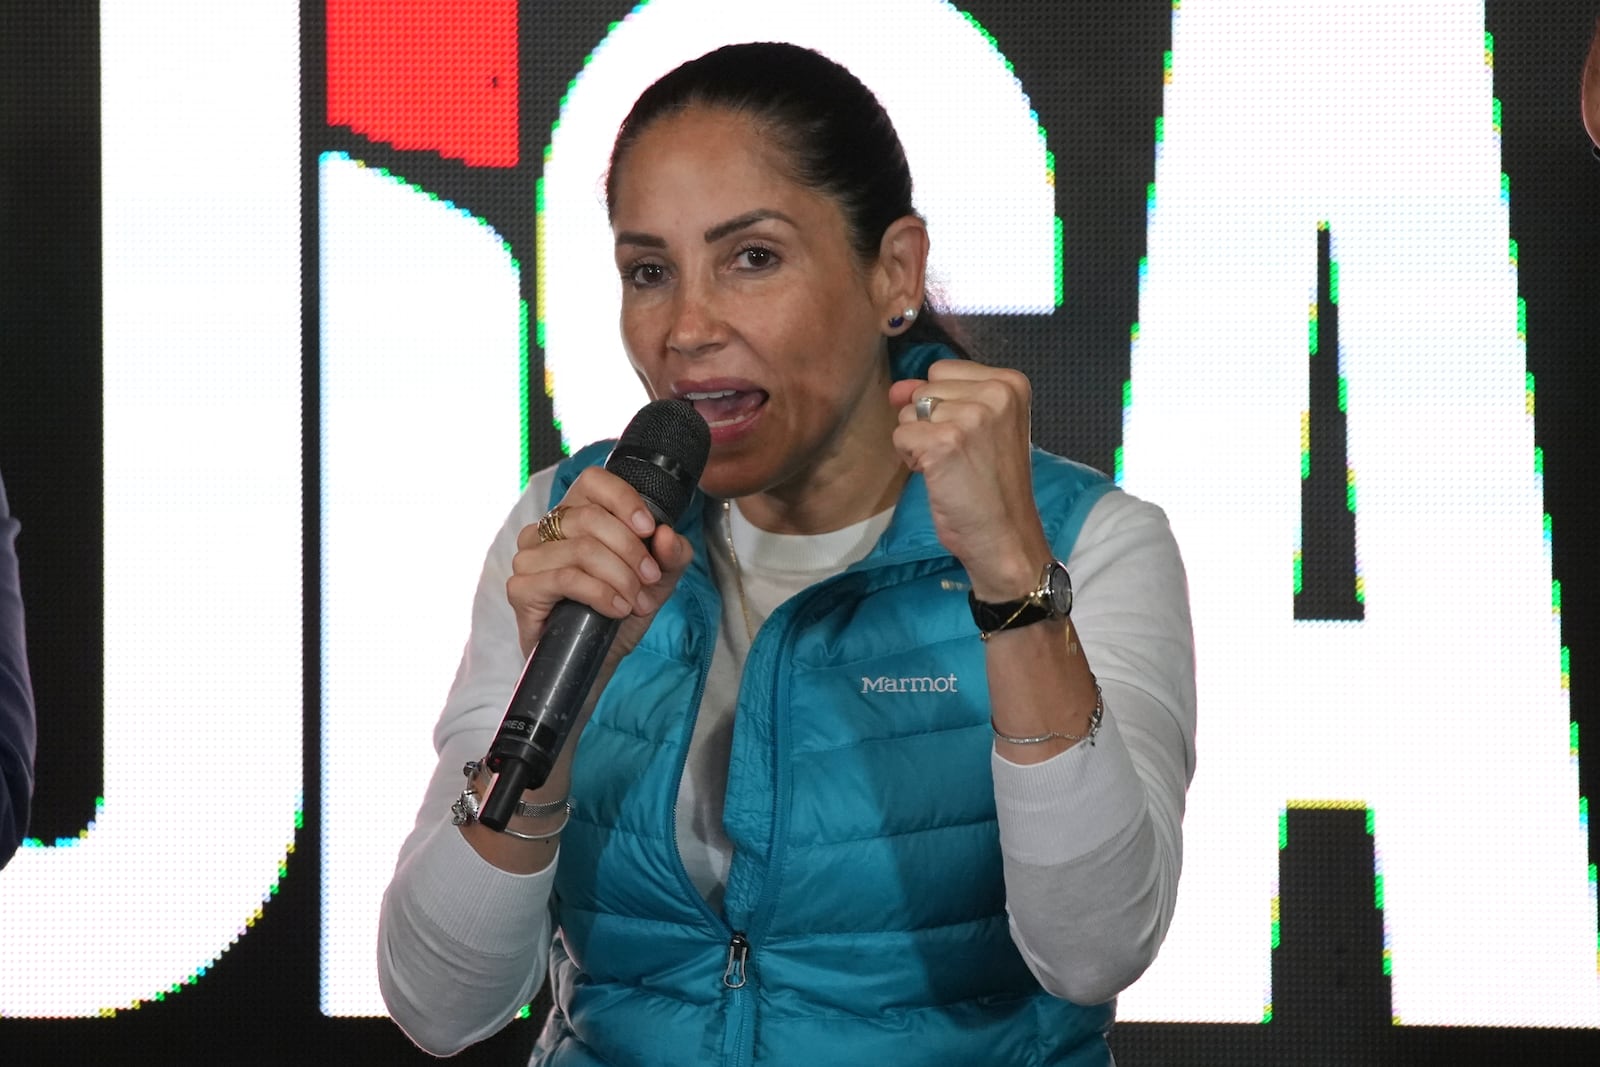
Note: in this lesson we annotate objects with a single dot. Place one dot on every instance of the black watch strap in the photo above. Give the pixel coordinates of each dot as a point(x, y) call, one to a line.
point(1006, 614)
point(1051, 600)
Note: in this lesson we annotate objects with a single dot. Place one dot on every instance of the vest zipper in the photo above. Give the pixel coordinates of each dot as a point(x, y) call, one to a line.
point(738, 955)
point(738, 1048)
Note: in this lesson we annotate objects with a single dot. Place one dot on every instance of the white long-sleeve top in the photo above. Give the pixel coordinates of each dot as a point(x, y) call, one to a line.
point(1090, 840)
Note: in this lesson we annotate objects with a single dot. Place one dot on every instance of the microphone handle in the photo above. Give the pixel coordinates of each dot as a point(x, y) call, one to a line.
point(554, 685)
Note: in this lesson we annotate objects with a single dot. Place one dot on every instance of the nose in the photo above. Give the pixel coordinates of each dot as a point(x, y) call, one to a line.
point(697, 326)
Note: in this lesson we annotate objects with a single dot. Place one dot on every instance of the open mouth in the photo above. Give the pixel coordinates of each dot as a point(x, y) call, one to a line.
point(726, 407)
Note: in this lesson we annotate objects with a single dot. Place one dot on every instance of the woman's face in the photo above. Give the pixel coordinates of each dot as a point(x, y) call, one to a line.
point(741, 293)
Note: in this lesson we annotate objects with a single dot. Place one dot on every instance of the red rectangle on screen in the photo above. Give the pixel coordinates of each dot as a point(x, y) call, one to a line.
point(429, 75)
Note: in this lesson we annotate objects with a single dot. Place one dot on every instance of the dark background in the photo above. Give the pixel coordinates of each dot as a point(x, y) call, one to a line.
point(1093, 71)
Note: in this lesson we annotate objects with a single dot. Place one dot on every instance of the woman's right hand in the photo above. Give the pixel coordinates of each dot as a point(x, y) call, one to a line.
point(612, 556)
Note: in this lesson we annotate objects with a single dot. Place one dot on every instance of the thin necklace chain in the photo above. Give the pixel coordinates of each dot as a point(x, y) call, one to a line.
point(738, 572)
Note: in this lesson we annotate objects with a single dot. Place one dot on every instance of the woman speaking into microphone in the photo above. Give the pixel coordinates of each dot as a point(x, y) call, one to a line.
point(887, 762)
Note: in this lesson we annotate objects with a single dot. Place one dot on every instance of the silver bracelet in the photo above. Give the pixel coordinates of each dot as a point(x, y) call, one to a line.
point(1094, 727)
point(520, 836)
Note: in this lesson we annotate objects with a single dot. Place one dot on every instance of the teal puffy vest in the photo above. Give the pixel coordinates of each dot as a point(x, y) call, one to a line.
point(864, 920)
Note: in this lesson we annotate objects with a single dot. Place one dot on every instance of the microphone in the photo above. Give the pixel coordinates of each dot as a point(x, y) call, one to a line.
point(661, 455)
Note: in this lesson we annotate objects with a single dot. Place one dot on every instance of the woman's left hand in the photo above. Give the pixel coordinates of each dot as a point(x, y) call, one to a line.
point(973, 453)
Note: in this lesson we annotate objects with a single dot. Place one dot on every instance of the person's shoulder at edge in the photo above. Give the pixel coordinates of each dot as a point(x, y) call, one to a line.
point(17, 724)
point(1591, 91)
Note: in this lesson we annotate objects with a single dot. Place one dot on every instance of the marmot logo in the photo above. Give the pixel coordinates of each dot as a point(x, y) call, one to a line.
point(884, 684)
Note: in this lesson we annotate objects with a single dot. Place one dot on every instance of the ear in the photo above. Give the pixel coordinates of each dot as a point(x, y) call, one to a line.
point(901, 269)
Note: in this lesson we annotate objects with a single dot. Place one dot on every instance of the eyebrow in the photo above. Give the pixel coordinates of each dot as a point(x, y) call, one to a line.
point(716, 233)
point(749, 218)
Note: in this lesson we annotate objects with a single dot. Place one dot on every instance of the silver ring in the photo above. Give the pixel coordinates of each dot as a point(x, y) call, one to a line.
point(925, 406)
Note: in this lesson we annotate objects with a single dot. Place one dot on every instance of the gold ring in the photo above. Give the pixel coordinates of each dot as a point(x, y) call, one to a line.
point(550, 525)
point(925, 406)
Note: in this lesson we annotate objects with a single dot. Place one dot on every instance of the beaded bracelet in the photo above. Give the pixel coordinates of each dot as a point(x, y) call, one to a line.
point(1094, 727)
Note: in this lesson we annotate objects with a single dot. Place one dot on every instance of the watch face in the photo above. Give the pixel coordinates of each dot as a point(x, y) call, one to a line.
point(1060, 585)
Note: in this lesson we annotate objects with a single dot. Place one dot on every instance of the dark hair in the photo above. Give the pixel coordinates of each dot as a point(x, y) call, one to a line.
point(835, 133)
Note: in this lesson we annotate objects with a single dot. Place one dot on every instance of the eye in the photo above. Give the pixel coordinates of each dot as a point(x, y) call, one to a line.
point(644, 275)
point(755, 257)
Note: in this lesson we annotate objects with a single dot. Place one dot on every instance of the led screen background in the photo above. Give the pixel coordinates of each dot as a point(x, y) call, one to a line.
point(295, 347)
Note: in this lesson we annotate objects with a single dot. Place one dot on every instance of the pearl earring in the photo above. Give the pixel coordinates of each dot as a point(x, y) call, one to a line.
point(908, 315)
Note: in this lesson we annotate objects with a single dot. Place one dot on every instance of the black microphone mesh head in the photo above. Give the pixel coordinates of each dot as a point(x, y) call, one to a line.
point(662, 454)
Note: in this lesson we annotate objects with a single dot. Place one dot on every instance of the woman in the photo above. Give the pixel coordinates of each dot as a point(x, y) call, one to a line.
point(815, 816)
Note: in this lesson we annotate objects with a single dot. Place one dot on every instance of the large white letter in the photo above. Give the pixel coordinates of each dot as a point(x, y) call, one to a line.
point(422, 450)
point(203, 701)
point(1445, 709)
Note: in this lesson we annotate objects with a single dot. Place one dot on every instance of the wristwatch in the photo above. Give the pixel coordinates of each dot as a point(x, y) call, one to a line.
point(1051, 600)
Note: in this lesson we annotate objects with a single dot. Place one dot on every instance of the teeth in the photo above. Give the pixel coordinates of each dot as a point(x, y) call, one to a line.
point(710, 396)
